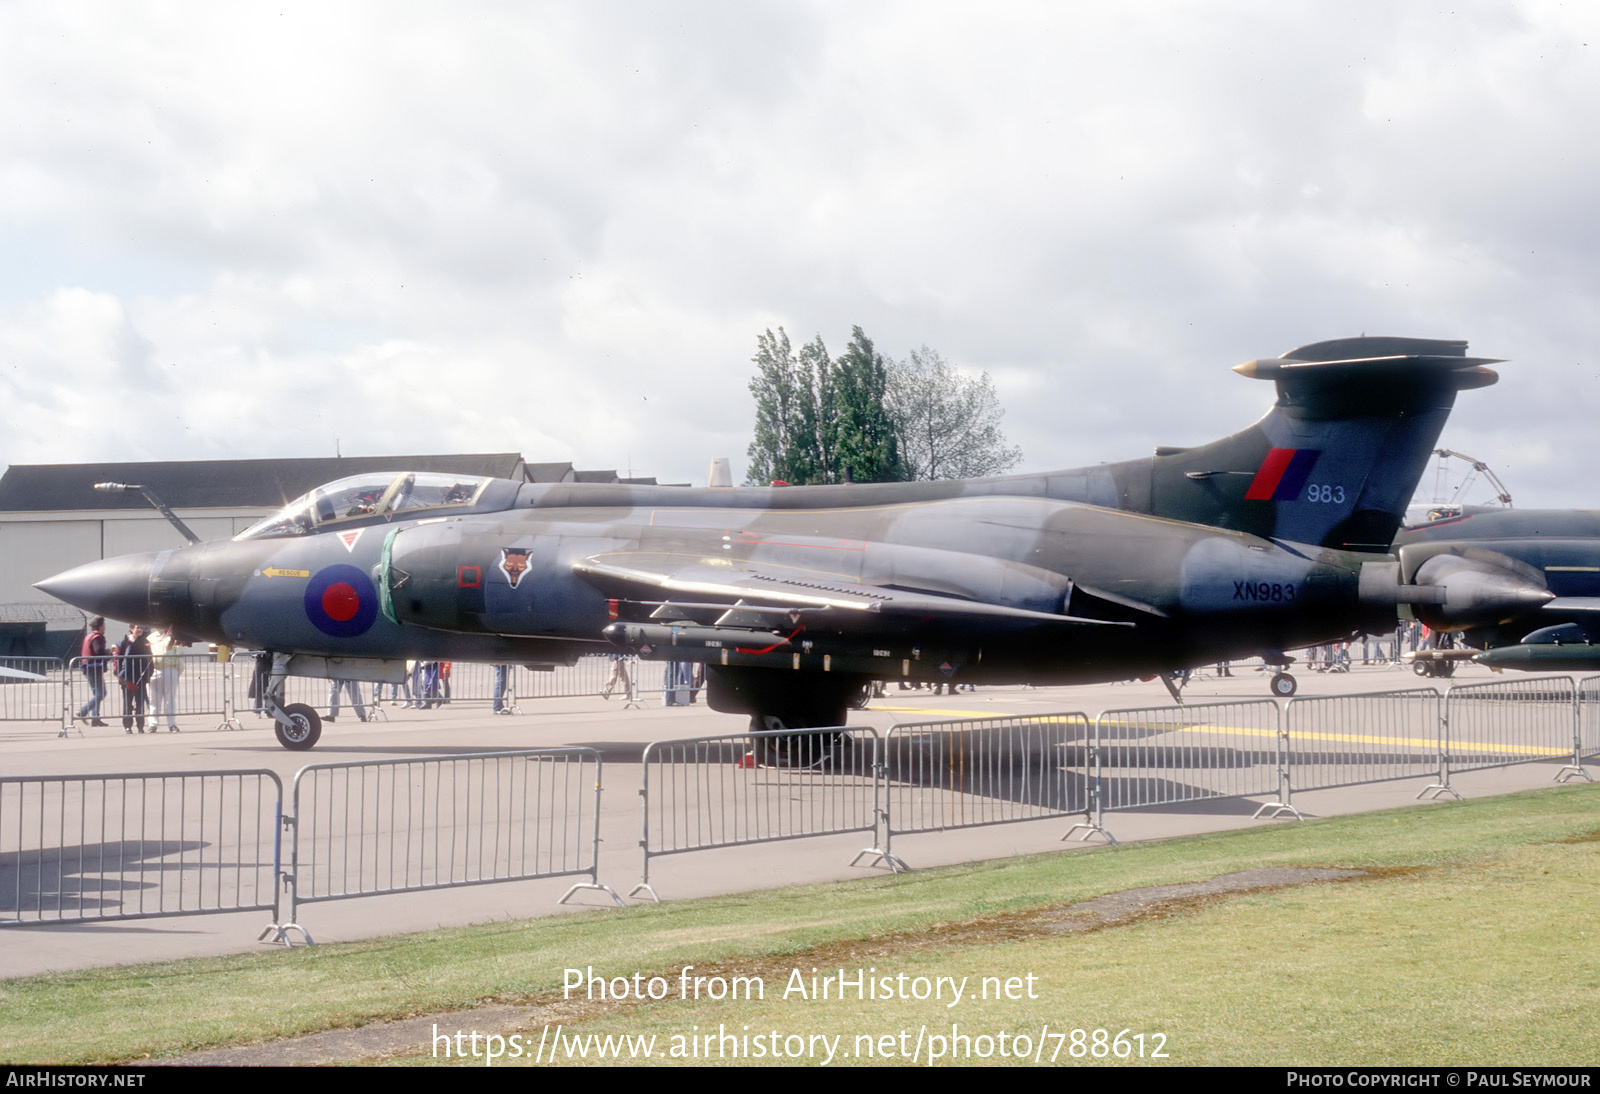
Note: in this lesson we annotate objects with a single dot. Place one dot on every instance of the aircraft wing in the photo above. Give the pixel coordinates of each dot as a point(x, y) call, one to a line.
point(744, 586)
point(1573, 604)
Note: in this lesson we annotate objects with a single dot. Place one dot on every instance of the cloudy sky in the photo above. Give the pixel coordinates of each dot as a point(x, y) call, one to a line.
point(251, 230)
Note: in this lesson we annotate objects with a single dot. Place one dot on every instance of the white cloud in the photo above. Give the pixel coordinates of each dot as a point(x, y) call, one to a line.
point(557, 228)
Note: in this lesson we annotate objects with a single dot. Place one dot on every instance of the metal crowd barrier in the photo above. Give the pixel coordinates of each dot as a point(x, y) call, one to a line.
point(160, 843)
point(725, 791)
point(468, 683)
point(742, 788)
point(166, 843)
point(201, 687)
point(592, 675)
point(1145, 756)
point(239, 692)
point(961, 773)
point(396, 826)
point(1510, 722)
point(31, 700)
point(207, 687)
point(1345, 740)
point(1589, 717)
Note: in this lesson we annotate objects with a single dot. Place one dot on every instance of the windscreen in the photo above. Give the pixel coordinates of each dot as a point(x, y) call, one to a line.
point(362, 497)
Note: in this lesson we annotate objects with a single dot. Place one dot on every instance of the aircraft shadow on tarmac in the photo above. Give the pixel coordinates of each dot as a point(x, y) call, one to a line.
point(105, 879)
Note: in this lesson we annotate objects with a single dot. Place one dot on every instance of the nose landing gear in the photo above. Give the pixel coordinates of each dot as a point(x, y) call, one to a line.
point(298, 727)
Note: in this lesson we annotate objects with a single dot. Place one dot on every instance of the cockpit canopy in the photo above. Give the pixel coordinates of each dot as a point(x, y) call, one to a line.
point(386, 494)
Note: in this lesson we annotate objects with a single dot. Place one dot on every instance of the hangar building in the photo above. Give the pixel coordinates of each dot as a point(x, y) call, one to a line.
point(52, 518)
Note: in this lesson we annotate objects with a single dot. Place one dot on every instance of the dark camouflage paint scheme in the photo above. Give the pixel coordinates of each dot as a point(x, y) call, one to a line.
point(1253, 543)
point(1558, 549)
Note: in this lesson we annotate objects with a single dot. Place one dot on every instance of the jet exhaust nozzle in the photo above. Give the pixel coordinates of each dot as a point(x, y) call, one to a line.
point(1476, 590)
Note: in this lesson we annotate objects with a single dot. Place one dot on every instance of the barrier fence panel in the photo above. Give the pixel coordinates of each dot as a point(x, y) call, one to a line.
point(1510, 722)
point(743, 788)
point(1165, 755)
point(202, 686)
point(136, 846)
point(317, 692)
point(27, 700)
point(1342, 740)
point(199, 686)
point(596, 674)
point(467, 683)
point(1589, 717)
point(977, 771)
point(474, 683)
point(391, 826)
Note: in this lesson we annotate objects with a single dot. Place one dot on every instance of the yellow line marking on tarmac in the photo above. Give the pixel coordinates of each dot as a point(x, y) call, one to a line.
point(1190, 727)
point(1347, 738)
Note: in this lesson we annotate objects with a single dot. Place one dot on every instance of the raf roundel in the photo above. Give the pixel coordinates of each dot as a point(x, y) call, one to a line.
point(341, 601)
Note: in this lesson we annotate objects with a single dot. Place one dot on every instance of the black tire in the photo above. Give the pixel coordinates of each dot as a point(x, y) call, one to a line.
point(1283, 685)
point(798, 749)
point(306, 731)
point(861, 699)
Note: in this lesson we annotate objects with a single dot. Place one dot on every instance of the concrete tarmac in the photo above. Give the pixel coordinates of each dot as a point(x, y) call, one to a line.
point(620, 735)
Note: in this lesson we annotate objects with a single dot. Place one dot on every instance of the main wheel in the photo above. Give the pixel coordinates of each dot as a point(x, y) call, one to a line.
point(303, 731)
point(1283, 685)
point(793, 749)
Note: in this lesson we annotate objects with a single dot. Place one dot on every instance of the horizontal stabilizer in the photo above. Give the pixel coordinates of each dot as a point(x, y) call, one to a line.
point(1383, 362)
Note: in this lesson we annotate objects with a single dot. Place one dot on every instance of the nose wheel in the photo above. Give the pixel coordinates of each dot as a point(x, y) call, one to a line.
point(1283, 685)
point(298, 728)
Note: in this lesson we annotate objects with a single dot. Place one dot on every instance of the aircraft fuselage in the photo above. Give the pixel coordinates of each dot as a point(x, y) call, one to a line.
point(512, 587)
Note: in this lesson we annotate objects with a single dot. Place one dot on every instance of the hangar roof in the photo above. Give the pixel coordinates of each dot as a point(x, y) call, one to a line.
point(226, 484)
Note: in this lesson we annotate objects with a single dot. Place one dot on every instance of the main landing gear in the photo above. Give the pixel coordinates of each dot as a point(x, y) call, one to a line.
point(796, 716)
point(778, 745)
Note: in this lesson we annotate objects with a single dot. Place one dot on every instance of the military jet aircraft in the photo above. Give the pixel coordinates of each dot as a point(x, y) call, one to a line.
point(793, 597)
point(1554, 550)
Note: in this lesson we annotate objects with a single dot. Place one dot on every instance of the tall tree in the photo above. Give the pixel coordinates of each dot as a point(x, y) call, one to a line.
point(815, 378)
point(778, 410)
point(793, 439)
point(865, 446)
point(948, 423)
point(863, 418)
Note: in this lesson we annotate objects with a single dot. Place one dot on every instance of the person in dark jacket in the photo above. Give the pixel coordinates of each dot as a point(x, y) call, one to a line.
point(131, 663)
point(92, 660)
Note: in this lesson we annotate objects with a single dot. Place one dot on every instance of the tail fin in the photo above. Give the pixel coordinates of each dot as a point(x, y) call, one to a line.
point(1336, 459)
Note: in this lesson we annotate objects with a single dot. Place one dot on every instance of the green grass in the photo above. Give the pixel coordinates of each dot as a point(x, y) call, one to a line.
point(1492, 961)
point(1483, 955)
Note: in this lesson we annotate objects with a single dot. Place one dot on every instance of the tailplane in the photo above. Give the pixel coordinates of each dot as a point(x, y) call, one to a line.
point(1337, 458)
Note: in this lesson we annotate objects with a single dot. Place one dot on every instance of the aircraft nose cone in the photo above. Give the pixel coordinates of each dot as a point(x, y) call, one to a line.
point(117, 588)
